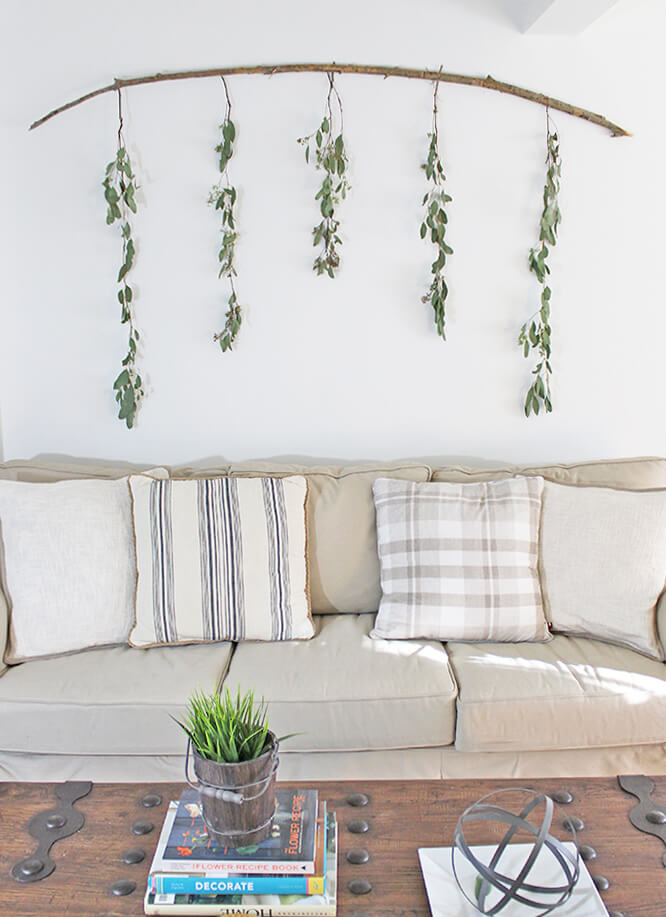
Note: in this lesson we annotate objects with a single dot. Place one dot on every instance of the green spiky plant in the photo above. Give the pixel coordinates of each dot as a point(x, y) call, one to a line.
point(228, 729)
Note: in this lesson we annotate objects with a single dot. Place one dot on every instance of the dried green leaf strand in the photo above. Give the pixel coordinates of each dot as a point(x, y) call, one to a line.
point(326, 148)
point(434, 225)
point(223, 199)
point(119, 193)
point(535, 334)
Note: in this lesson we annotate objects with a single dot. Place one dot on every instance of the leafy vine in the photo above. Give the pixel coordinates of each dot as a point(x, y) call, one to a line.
point(223, 198)
point(119, 192)
point(535, 333)
point(435, 222)
point(330, 157)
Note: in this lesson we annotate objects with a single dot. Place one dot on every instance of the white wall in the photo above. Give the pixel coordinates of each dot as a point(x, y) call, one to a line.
point(351, 367)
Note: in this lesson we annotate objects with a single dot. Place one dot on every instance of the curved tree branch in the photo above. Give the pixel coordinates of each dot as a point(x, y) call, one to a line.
point(484, 82)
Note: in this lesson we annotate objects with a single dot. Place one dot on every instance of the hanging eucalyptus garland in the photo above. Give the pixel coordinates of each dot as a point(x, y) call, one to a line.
point(326, 148)
point(535, 333)
point(119, 190)
point(331, 158)
point(223, 198)
point(434, 224)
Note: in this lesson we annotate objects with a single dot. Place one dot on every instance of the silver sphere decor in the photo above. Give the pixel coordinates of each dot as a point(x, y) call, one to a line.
point(527, 870)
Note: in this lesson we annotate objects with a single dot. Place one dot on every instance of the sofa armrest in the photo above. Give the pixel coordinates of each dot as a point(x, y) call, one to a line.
point(4, 628)
point(661, 619)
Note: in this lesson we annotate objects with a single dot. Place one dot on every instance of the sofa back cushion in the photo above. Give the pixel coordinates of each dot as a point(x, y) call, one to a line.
point(624, 474)
point(630, 474)
point(342, 536)
point(48, 469)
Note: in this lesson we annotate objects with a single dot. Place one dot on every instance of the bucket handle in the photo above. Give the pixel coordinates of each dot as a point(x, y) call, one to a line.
point(228, 793)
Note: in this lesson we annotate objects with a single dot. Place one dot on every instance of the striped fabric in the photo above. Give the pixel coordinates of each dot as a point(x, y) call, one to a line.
point(220, 559)
point(459, 561)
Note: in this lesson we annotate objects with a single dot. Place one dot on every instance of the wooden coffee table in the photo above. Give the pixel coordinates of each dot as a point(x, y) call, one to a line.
point(401, 816)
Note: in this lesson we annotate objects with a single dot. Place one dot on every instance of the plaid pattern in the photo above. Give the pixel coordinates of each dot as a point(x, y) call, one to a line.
point(459, 561)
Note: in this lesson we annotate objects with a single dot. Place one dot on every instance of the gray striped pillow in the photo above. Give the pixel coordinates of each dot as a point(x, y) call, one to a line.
point(220, 559)
point(459, 561)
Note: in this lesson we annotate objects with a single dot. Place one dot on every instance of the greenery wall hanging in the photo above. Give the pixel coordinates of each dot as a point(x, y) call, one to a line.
point(119, 190)
point(535, 334)
point(434, 224)
point(325, 147)
point(223, 198)
point(329, 155)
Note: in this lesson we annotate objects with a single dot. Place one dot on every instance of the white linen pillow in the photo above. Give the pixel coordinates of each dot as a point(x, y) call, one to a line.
point(220, 559)
point(603, 563)
point(70, 568)
point(459, 561)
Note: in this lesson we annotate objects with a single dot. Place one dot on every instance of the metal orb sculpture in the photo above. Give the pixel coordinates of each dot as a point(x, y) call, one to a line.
point(528, 868)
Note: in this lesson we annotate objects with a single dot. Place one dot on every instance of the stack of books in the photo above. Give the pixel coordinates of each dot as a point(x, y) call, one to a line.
point(293, 873)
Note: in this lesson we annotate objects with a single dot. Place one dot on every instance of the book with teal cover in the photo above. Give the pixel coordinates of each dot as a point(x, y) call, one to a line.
point(186, 846)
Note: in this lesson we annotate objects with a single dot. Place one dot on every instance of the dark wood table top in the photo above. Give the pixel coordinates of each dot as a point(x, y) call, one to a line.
point(401, 815)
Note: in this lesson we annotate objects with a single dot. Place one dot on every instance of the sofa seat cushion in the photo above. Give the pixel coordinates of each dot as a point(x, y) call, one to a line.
point(343, 691)
point(107, 701)
point(569, 693)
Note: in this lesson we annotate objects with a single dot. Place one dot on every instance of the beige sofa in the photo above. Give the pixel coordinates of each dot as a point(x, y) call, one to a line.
point(363, 707)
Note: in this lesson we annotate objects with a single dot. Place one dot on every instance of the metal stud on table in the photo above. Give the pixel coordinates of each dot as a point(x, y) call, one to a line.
point(358, 856)
point(122, 888)
point(135, 855)
point(359, 886)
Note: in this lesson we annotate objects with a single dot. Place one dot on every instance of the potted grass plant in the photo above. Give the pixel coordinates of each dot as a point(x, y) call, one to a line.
point(235, 762)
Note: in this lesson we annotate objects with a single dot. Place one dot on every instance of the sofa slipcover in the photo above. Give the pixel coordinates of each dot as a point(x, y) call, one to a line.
point(111, 701)
point(343, 691)
point(567, 694)
point(104, 714)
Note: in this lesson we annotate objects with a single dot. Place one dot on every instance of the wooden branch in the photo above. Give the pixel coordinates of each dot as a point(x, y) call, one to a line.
point(485, 82)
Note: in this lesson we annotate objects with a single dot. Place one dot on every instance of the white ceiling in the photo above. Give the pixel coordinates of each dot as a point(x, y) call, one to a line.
point(555, 17)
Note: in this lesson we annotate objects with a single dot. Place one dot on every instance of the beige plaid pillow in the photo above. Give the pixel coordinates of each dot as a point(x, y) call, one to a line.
point(459, 561)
